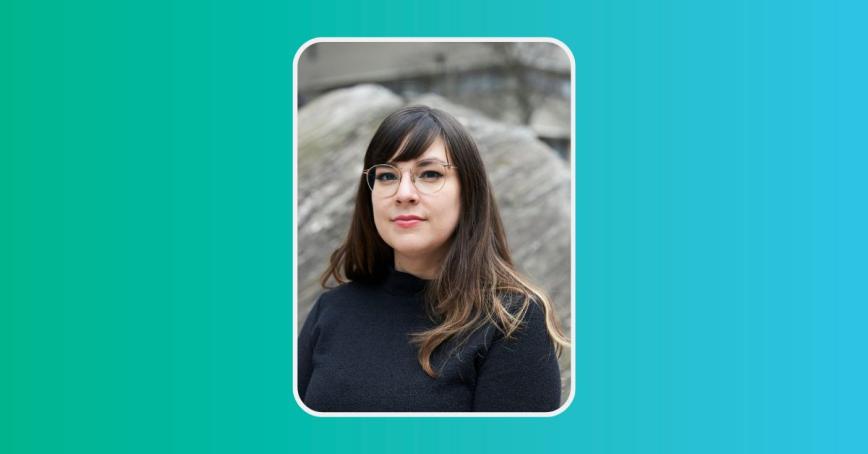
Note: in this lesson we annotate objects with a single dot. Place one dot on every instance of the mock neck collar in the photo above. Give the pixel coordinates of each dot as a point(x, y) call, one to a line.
point(404, 284)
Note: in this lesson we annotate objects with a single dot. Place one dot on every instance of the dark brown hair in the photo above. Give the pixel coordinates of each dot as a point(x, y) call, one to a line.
point(477, 277)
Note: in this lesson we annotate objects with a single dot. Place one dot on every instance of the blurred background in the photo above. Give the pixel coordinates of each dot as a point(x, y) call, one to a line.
point(514, 99)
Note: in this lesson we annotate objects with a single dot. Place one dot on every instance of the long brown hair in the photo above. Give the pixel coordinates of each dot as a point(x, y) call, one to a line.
point(478, 283)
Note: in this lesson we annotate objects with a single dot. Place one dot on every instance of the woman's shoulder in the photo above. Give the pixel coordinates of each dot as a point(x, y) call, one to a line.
point(350, 290)
point(340, 291)
point(529, 314)
point(347, 294)
point(523, 306)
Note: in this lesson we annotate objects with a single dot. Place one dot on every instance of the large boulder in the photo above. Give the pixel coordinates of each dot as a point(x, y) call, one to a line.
point(531, 184)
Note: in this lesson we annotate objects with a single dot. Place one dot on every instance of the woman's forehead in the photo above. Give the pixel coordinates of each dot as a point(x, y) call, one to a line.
point(437, 151)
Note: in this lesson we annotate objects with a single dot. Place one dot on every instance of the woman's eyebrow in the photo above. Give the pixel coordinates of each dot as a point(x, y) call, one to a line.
point(431, 158)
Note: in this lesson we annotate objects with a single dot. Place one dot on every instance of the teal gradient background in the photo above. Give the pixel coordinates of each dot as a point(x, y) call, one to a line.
point(145, 226)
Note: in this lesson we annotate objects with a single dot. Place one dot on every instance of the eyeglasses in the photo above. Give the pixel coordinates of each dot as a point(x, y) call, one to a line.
point(429, 176)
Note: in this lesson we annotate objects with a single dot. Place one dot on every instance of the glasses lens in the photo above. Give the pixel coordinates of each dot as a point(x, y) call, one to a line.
point(383, 179)
point(430, 176)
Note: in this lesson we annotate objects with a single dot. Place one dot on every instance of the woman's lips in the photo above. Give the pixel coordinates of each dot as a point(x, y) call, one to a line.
point(407, 221)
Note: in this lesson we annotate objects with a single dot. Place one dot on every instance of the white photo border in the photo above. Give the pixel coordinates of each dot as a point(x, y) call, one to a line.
point(572, 395)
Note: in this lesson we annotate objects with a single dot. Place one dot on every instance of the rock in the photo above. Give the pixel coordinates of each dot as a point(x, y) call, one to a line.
point(531, 184)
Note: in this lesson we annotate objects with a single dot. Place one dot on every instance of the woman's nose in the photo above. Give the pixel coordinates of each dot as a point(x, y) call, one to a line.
point(407, 190)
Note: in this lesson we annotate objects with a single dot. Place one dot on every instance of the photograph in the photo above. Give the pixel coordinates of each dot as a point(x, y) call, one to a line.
point(434, 227)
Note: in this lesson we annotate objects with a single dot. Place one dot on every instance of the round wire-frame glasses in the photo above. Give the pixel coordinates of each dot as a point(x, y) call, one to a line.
point(429, 177)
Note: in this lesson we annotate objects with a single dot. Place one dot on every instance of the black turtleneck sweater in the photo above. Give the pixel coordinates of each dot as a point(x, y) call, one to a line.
point(355, 355)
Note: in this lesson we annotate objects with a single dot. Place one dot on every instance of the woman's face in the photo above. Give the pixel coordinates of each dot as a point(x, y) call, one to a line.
point(418, 224)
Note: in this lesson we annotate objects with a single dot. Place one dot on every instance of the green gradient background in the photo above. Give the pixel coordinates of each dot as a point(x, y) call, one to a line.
point(145, 222)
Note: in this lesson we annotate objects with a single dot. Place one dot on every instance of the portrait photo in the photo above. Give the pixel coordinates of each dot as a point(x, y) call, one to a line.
point(434, 243)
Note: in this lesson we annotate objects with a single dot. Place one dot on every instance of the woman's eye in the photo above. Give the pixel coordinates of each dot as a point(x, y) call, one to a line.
point(430, 175)
point(386, 176)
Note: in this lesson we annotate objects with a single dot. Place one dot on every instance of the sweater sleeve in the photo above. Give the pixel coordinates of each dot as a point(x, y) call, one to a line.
point(306, 343)
point(520, 373)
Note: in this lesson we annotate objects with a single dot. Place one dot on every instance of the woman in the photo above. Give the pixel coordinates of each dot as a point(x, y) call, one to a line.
point(430, 315)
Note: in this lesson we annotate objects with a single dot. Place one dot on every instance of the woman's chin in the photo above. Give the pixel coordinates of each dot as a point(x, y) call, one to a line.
point(411, 250)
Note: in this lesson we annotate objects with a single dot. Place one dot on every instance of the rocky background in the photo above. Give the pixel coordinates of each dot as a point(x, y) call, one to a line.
point(531, 184)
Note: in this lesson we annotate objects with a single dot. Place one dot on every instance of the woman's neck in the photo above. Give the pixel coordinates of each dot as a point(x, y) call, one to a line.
point(421, 267)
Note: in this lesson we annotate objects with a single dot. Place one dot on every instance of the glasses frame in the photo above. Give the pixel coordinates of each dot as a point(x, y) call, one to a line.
point(445, 165)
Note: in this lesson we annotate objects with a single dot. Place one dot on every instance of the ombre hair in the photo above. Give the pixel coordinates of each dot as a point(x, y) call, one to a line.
point(477, 284)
